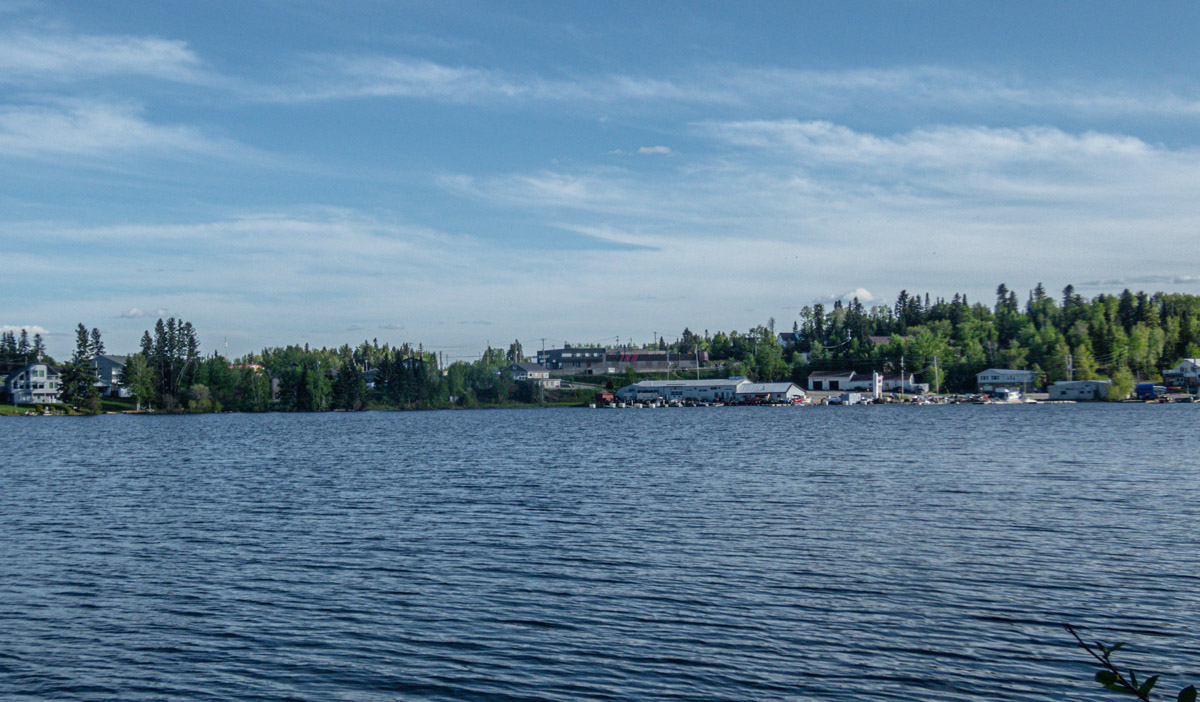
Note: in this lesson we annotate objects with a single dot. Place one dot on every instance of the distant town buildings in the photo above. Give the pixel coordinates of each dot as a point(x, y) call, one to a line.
point(602, 361)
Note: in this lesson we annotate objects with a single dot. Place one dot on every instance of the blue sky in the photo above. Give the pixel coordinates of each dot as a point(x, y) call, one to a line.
point(458, 173)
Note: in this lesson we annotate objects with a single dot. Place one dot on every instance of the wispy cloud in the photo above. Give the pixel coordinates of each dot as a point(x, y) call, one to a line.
point(138, 313)
point(30, 329)
point(654, 150)
point(88, 128)
point(1112, 283)
point(33, 57)
point(342, 77)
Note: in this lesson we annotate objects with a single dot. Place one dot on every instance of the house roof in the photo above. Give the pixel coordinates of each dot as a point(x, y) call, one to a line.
point(51, 370)
point(1003, 370)
point(831, 374)
point(756, 388)
point(530, 367)
point(879, 340)
point(119, 360)
point(717, 382)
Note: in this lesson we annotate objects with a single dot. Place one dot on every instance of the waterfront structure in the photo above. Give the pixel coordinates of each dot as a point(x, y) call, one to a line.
point(891, 382)
point(833, 380)
point(1186, 373)
point(1080, 390)
point(719, 390)
point(533, 372)
point(602, 361)
point(108, 371)
point(33, 384)
point(995, 378)
point(768, 392)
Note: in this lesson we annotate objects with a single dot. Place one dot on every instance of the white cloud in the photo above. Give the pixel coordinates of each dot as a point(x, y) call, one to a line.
point(28, 57)
point(341, 77)
point(30, 329)
point(951, 147)
point(654, 150)
point(99, 129)
point(132, 313)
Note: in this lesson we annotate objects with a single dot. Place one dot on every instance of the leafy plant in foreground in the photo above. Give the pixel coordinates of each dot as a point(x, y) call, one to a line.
point(1113, 679)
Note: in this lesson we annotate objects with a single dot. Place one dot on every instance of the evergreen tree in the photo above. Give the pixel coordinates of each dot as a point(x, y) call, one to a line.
point(95, 345)
point(77, 383)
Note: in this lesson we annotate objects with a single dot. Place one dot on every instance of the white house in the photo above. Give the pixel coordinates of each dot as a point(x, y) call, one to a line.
point(534, 372)
point(683, 390)
point(1186, 373)
point(994, 378)
point(1080, 390)
point(108, 371)
point(35, 383)
point(769, 392)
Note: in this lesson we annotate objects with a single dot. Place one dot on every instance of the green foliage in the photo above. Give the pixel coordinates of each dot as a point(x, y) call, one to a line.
point(138, 379)
point(1122, 385)
point(1127, 683)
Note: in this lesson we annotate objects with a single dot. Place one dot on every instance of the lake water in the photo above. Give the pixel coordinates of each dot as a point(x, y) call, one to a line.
point(822, 553)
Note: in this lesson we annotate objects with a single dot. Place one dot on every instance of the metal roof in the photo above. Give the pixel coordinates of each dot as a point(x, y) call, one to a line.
point(756, 388)
point(718, 382)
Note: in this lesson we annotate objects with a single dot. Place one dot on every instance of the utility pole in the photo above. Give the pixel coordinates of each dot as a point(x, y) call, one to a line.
point(901, 374)
point(697, 347)
point(937, 381)
point(1070, 367)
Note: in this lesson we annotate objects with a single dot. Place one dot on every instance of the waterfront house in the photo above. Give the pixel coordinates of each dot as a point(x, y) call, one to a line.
point(109, 371)
point(1186, 373)
point(1080, 390)
point(534, 373)
point(35, 383)
point(994, 378)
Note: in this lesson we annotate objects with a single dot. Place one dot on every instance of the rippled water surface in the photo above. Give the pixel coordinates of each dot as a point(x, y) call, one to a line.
point(879, 553)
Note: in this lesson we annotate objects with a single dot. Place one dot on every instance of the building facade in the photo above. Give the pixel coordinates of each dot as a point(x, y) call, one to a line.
point(108, 371)
point(833, 380)
point(995, 378)
point(534, 373)
point(682, 390)
point(36, 383)
point(1080, 390)
point(751, 393)
point(1185, 374)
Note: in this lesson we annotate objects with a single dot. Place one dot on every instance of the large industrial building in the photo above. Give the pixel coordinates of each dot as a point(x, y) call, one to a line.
point(728, 390)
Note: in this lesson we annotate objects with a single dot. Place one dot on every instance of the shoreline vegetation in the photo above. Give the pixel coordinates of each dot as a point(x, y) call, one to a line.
point(1124, 338)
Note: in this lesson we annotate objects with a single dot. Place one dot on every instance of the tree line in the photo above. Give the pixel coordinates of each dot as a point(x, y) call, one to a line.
point(946, 342)
point(1127, 337)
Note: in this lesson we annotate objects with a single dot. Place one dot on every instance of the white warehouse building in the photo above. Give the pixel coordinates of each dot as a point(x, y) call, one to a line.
point(683, 390)
point(770, 392)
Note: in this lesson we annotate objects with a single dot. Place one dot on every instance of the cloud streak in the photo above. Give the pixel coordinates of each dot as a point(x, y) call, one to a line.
point(348, 77)
point(34, 58)
point(97, 129)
